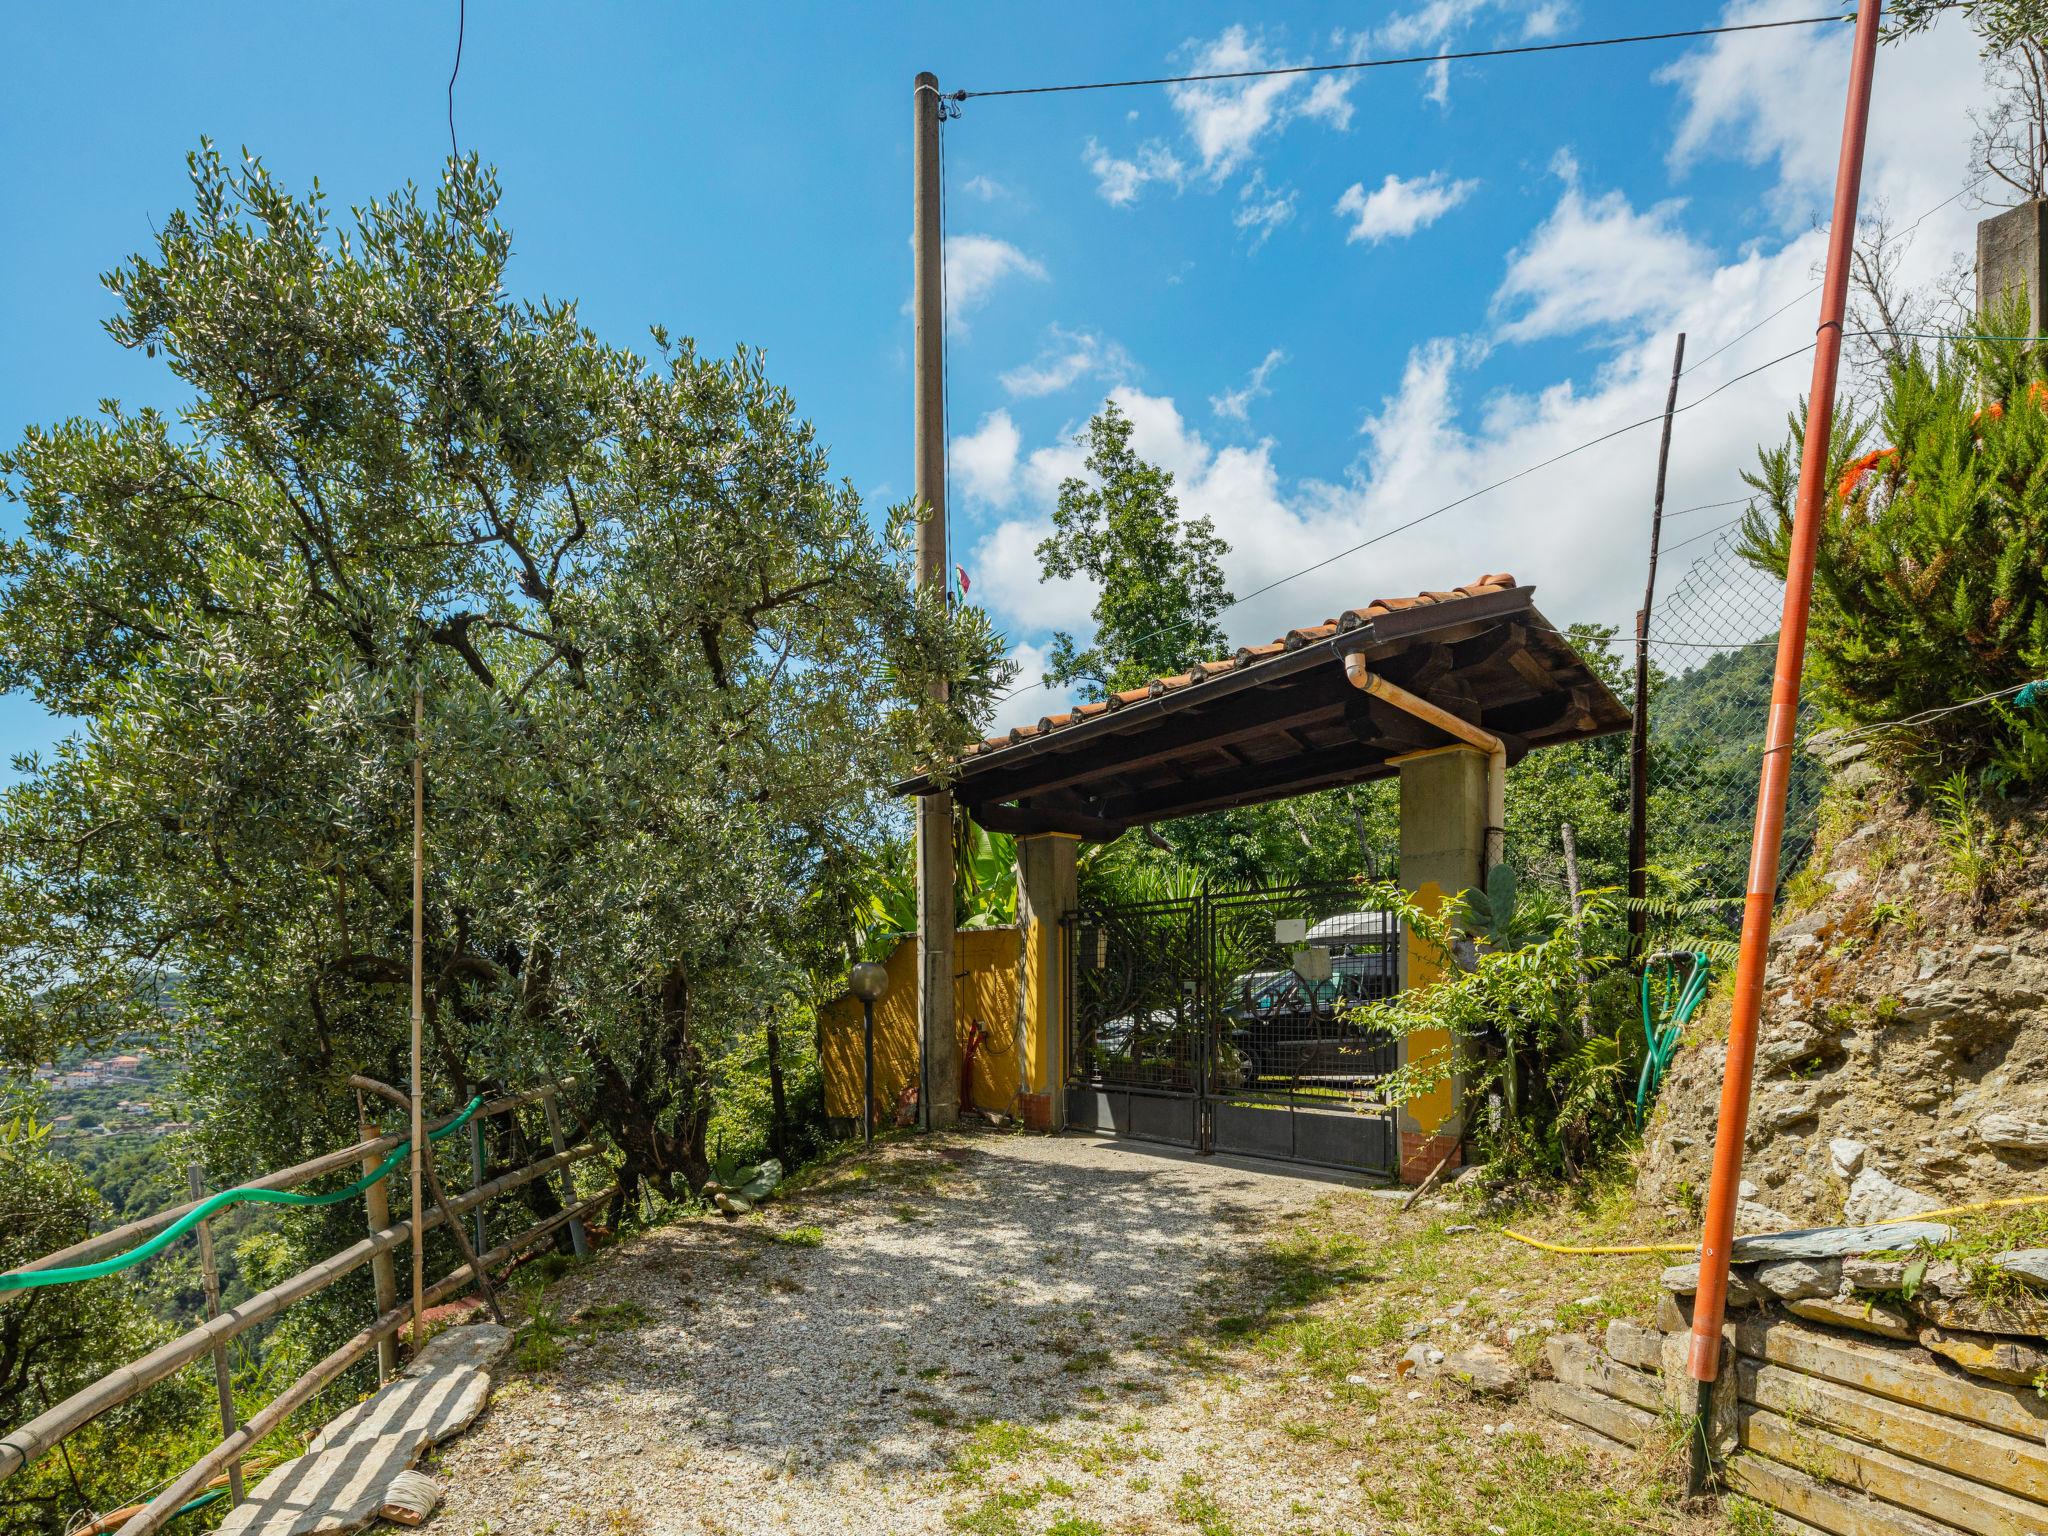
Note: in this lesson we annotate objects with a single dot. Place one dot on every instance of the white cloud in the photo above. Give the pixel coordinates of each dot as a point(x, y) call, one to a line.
point(1427, 25)
point(1397, 208)
point(1329, 101)
point(975, 266)
point(1236, 403)
point(1438, 88)
point(1226, 118)
point(1776, 97)
point(987, 458)
point(1032, 700)
point(1575, 529)
point(1067, 358)
point(1222, 120)
point(985, 187)
point(1597, 262)
point(1546, 20)
point(1262, 208)
point(1120, 180)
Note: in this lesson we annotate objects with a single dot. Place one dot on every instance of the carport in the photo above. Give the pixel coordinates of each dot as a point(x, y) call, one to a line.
point(1443, 690)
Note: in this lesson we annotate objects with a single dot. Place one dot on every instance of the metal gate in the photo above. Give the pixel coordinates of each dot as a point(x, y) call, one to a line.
point(1230, 1022)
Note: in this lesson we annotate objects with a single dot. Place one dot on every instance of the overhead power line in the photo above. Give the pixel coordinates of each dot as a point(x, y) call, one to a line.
point(1407, 59)
point(461, 28)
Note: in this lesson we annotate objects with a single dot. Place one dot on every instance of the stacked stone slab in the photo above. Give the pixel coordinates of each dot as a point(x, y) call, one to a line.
point(1871, 1396)
point(356, 1465)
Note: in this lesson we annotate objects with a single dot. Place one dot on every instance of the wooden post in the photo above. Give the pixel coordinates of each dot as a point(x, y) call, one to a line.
point(1639, 733)
point(939, 1098)
point(419, 1009)
point(223, 1378)
point(383, 1277)
point(577, 1236)
point(476, 1178)
point(1717, 1230)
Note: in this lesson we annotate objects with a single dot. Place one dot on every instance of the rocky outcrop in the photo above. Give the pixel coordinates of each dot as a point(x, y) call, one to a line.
point(1902, 1061)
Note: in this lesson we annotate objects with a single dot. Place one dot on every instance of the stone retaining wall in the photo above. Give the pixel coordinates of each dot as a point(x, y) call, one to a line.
point(1872, 1397)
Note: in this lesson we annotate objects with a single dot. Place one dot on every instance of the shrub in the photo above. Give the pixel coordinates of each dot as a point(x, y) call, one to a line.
point(1542, 1032)
point(1930, 587)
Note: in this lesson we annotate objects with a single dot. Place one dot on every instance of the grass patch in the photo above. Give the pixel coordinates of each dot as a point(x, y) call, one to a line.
point(998, 1514)
point(995, 1442)
point(801, 1237)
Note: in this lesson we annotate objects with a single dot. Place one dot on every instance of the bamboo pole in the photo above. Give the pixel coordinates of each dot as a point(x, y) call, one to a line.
point(553, 1112)
point(419, 1010)
point(383, 1276)
point(159, 1509)
point(32, 1439)
point(439, 1195)
point(120, 1238)
point(223, 1379)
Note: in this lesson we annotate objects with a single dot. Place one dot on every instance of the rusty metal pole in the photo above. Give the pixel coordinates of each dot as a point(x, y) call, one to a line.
point(1639, 725)
point(1718, 1232)
point(223, 1378)
point(939, 1101)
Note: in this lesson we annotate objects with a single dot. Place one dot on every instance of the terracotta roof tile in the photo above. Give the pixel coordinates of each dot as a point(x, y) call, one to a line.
point(1244, 656)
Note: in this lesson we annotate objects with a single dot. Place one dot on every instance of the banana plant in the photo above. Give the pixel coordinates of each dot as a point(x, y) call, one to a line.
point(984, 888)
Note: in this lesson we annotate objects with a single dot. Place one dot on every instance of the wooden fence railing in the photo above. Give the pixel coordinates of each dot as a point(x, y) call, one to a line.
point(205, 1342)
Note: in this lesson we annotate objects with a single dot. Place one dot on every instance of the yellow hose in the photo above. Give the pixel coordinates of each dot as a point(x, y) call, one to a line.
point(1889, 1221)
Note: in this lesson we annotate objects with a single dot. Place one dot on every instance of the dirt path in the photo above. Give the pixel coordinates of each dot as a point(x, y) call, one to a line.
point(775, 1386)
point(1022, 1336)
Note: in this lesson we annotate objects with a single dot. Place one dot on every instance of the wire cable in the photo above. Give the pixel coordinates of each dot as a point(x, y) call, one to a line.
point(461, 30)
point(1407, 59)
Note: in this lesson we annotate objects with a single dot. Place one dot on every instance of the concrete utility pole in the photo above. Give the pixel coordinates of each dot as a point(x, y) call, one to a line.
point(1718, 1229)
point(940, 1088)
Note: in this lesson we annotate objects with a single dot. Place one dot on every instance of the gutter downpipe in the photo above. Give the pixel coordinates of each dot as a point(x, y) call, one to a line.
point(1361, 676)
point(1718, 1229)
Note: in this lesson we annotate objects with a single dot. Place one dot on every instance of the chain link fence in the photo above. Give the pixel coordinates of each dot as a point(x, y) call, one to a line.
point(1713, 646)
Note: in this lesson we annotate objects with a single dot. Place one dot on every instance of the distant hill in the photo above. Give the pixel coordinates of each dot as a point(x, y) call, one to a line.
point(1706, 742)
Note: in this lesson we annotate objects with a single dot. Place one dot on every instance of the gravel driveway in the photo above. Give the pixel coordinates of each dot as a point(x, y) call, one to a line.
point(987, 1333)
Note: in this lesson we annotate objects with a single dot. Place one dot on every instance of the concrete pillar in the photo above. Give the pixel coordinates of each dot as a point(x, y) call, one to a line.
point(1045, 894)
point(2012, 260)
point(1443, 848)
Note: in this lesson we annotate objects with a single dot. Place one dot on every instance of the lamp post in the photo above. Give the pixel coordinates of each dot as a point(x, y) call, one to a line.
point(870, 983)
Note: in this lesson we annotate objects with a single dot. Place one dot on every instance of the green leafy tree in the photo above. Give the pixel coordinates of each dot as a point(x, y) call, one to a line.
point(668, 663)
point(56, 1339)
point(1539, 1027)
point(1159, 575)
point(1930, 587)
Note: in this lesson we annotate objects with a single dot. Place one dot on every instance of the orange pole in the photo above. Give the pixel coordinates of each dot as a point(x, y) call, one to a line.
point(1718, 1233)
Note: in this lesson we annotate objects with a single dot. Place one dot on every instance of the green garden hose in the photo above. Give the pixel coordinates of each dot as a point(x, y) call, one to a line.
point(1677, 1002)
point(227, 1197)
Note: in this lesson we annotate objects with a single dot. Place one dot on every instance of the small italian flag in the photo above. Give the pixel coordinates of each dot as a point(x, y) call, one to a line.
point(961, 572)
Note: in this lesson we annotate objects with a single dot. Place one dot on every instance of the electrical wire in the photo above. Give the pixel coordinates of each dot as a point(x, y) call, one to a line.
point(1708, 506)
point(461, 30)
point(1408, 59)
point(1415, 522)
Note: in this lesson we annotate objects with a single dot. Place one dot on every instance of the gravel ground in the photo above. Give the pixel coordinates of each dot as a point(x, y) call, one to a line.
point(996, 1333)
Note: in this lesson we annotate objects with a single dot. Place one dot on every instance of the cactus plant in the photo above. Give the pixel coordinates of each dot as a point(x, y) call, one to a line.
point(736, 1188)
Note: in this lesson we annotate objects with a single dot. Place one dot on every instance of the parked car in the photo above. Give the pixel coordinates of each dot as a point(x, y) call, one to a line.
point(1279, 1025)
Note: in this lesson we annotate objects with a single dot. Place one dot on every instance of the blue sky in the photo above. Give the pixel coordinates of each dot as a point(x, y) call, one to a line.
point(1329, 303)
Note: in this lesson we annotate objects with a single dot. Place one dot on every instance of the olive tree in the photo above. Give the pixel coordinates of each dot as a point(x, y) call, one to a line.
point(666, 662)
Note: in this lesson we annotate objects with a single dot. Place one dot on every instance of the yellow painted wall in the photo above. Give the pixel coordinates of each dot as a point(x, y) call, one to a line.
point(984, 993)
point(1434, 1109)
